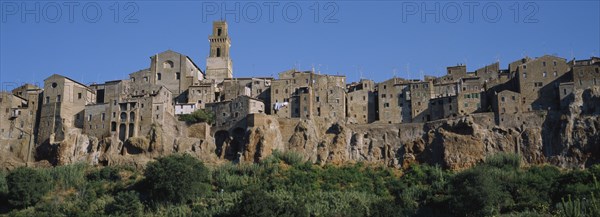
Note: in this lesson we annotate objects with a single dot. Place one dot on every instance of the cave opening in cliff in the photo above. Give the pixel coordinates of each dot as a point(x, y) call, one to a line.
point(235, 150)
point(221, 141)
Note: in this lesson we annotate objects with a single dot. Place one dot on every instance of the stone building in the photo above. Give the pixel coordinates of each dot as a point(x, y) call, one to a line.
point(14, 116)
point(470, 98)
point(328, 91)
point(586, 73)
point(362, 102)
point(420, 94)
point(488, 73)
point(219, 65)
point(565, 90)
point(175, 71)
point(507, 102)
point(64, 101)
point(129, 112)
point(453, 73)
point(202, 93)
point(444, 107)
point(229, 113)
point(538, 80)
point(393, 100)
point(258, 88)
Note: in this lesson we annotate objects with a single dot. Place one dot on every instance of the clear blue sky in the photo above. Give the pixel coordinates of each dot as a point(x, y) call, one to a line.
point(374, 38)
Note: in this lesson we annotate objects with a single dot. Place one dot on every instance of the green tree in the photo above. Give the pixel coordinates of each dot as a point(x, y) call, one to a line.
point(480, 191)
point(176, 179)
point(198, 116)
point(26, 186)
point(126, 204)
point(259, 203)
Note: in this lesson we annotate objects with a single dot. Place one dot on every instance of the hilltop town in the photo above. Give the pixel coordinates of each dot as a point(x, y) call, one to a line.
point(531, 107)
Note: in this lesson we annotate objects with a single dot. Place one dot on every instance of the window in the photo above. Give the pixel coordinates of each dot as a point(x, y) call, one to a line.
point(218, 52)
point(276, 91)
point(384, 86)
point(524, 66)
point(47, 99)
point(555, 74)
point(545, 74)
point(89, 117)
point(58, 98)
point(168, 64)
point(317, 99)
point(158, 76)
point(513, 98)
point(78, 95)
point(364, 98)
point(146, 79)
point(502, 99)
point(77, 116)
point(544, 64)
point(103, 116)
point(524, 75)
point(177, 75)
point(386, 105)
point(466, 104)
point(54, 85)
point(554, 62)
point(219, 32)
point(382, 95)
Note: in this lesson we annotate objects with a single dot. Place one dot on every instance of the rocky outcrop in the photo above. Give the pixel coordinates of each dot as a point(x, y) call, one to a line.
point(262, 140)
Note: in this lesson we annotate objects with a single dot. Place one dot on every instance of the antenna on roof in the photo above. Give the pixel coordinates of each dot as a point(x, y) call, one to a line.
point(408, 70)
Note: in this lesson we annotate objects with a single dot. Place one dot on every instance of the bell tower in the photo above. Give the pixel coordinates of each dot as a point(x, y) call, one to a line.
point(218, 64)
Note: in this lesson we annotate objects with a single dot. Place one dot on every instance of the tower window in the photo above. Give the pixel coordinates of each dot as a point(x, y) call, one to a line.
point(178, 75)
point(158, 76)
point(219, 32)
point(218, 52)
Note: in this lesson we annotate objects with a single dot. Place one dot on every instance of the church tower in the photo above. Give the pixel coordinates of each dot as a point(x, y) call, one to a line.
point(218, 63)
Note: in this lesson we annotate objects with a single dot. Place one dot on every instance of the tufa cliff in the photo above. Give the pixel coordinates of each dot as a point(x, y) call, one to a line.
point(570, 140)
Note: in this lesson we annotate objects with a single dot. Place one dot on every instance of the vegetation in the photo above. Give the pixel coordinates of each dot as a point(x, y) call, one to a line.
point(285, 185)
point(198, 116)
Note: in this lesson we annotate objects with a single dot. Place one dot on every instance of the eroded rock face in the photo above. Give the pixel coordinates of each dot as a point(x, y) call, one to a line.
point(262, 140)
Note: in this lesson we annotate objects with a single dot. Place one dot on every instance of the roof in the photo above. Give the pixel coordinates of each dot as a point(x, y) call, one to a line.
point(73, 80)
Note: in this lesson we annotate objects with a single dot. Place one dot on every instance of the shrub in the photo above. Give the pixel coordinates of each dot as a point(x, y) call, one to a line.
point(126, 204)
point(3, 185)
point(106, 173)
point(26, 186)
point(504, 161)
point(198, 116)
point(68, 176)
point(176, 178)
point(480, 192)
point(258, 203)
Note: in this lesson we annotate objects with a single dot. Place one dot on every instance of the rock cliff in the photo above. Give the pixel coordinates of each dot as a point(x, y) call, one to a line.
point(570, 139)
